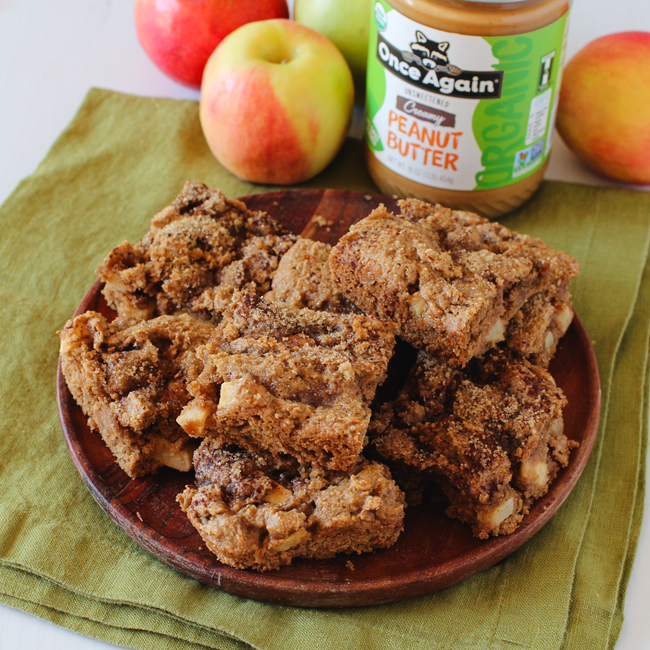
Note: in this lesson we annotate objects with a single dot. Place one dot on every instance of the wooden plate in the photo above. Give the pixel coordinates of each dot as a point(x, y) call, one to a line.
point(432, 553)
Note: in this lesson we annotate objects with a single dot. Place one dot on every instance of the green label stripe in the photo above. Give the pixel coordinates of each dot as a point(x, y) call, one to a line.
point(376, 77)
point(531, 64)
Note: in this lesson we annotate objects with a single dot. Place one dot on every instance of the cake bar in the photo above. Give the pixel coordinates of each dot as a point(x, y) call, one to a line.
point(196, 252)
point(453, 280)
point(289, 381)
point(130, 381)
point(259, 511)
point(535, 329)
point(490, 434)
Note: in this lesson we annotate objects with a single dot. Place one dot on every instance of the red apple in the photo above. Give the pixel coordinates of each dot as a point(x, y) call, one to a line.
point(180, 35)
point(276, 102)
point(604, 109)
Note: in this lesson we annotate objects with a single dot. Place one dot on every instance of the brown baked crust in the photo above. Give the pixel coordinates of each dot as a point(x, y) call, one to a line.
point(490, 434)
point(295, 382)
point(130, 379)
point(451, 280)
point(196, 252)
point(303, 279)
point(259, 511)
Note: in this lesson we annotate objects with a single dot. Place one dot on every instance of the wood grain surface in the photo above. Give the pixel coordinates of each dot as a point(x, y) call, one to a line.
point(432, 553)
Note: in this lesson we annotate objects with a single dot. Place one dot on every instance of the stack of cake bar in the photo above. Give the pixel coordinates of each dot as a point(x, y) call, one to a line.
point(255, 357)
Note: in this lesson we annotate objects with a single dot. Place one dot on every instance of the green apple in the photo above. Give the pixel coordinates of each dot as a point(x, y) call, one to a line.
point(345, 22)
point(276, 102)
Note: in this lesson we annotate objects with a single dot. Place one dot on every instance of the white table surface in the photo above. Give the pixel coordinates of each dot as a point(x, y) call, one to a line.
point(51, 53)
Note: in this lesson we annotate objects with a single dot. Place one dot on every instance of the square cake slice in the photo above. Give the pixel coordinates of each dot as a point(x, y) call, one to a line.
point(534, 328)
point(289, 381)
point(130, 381)
point(491, 434)
point(196, 252)
point(451, 280)
point(259, 511)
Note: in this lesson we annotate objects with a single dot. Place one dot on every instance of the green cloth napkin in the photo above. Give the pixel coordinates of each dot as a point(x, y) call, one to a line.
point(121, 160)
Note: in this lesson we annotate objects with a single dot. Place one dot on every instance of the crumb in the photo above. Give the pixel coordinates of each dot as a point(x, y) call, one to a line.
point(322, 222)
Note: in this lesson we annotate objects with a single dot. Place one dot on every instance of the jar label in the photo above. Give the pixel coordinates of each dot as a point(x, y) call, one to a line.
point(461, 112)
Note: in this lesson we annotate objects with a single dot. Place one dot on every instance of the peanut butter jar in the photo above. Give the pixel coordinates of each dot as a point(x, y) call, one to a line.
point(461, 99)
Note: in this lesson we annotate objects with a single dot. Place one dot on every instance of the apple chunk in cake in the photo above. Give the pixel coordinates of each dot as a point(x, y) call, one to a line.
point(196, 252)
point(491, 434)
point(289, 381)
point(130, 381)
point(259, 511)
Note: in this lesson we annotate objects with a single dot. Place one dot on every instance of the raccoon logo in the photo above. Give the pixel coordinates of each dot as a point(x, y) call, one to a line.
point(426, 65)
point(430, 55)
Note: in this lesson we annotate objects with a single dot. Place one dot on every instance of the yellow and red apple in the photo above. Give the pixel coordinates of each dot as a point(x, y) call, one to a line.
point(604, 108)
point(276, 102)
point(180, 35)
